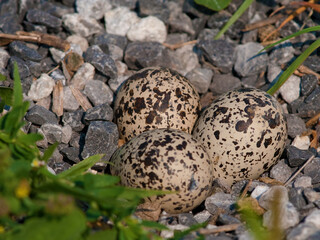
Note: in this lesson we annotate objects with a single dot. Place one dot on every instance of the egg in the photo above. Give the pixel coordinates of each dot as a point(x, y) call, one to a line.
point(155, 98)
point(168, 160)
point(244, 132)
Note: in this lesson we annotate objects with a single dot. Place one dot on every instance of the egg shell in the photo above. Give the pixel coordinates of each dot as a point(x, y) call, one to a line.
point(244, 132)
point(169, 160)
point(156, 98)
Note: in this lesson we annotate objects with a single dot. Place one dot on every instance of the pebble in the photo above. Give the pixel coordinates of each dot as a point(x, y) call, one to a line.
point(222, 83)
point(103, 41)
point(57, 164)
point(282, 53)
point(290, 90)
point(148, 29)
point(314, 96)
point(281, 172)
point(71, 153)
point(296, 198)
point(258, 191)
point(311, 195)
point(202, 216)
point(170, 233)
point(312, 170)
point(119, 20)
point(314, 218)
point(74, 120)
point(39, 115)
point(220, 200)
point(308, 83)
point(41, 88)
point(66, 134)
point(247, 61)
point(312, 62)
point(57, 55)
point(301, 142)
point(179, 21)
point(297, 157)
point(101, 137)
point(83, 26)
point(81, 41)
point(4, 58)
point(43, 143)
point(184, 59)
point(187, 219)
point(102, 112)
point(98, 92)
point(70, 103)
point(200, 78)
point(101, 61)
point(84, 74)
point(23, 69)
point(303, 182)
point(43, 18)
point(155, 8)
point(20, 49)
point(226, 219)
point(296, 125)
point(58, 75)
point(53, 132)
point(220, 53)
point(93, 8)
point(302, 232)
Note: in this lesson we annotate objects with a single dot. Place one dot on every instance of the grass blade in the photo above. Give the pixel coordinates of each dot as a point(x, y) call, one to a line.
point(17, 90)
point(234, 17)
point(287, 73)
point(215, 5)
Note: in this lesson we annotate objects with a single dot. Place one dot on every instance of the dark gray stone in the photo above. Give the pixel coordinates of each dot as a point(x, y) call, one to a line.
point(308, 84)
point(296, 198)
point(295, 105)
point(307, 110)
point(282, 53)
point(174, 38)
point(56, 162)
point(186, 219)
point(281, 171)
point(313, 62)
point(155, 8)
point(297, 157)
point(22, 67)
point(75, 140)
point(220, 200)
point(52, 131)
point(8, 7)
point(101, 112)
point(314, 96)
point(315, 236)
point(101, 138)
point(21, 50)
point(74, 119)
point(9, 23)
point(312, 170)
point(226, 219)
point(218, 52)
point(103, 40)
point(39, 115)
point(71, 153)
point(179, 21)
point(146, 54)
point(35, 68)
point(222, 83)
point(56, 9)
point(101, 61)
point(296, 125)
point(43, 18)
point(192, 8)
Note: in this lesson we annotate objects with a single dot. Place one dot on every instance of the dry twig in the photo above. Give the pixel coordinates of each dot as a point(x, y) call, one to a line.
point(262, 23)
point(312, 121)
point(57, 99)
point(81, 99)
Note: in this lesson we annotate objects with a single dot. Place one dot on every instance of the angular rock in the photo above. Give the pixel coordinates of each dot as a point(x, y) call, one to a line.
point(4, 58)
point(81, 41)
point(282, 53)
point(218, 52)
point(202, 216)
point(101, 138)
point(314, 218)
point(119, 20)
point(71, 153)
point(247, 61)
point(84, 74)
point(81, 25)
point(222, 83)
point(297, 157)
point(66, 134)
point(303, 182)
point(93, 8)
point(290, 90)
point(302, 231)
point(179, 21)
point(70, 103)
point(155, 8)
point(187, 219)
point(200, 78)
point(296, 198)
point(101, 61)
point(102, 112)
point(21, 50)
point(311, 195)
point(296, 125)
point(313, 62)
point(184, 59)
point(103, 40)
point(226, 219)
point(39, 115)
point(41, 88)
point(57, 164)
point(301, 142)
point(58, 75)
point(281, 172)
point(9, 23)
point(146, 54)
point(258, 191)
point(220, 200)
point(98, 92)
point(74, 120)
point(23, 68)
point(148, 29)
point(312, 170)
point(43, 18)
point(53, 132)
point(308, 84)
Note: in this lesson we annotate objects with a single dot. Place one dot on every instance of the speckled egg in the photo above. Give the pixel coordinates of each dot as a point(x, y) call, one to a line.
point(155, 98)
point(169, 160)
point(244, 132)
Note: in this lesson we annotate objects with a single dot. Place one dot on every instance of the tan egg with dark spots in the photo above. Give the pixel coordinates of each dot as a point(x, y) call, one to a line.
point(168, 160)
point(155, 98)
point(244, 132)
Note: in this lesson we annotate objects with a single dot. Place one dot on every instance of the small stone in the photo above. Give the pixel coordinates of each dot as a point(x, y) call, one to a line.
point(281, 172)
point(296, 125)
point(41, 88)
point(9, 23)
point(220, 200)
point(308, 84)
point(70, 103)
point(19, 49)
point(148, 29)
point(98, 92)
point(4, 58)
point(290, 90)
point(312, 170)
point(43, 18)
point(81, 25)
point(314, 218)
point(186, 219)
point(222, 83)
point(145, 54)
point(247, 61)
point(114, 84)
point(282, 53)
point(314, 96)
point(155, 8)
point(101, 61)
point(277, 194)
point(301, 142)
point(115, 52)
point(311, 195)
point(23, 68)
point(39, 115)
point(53, 132)
point(119, 20)
point(45, 102)
point(93, 8)
point(296, 198)
point(218, 52)
point(179, 21)
point(288, 217)
point(76, 139)
point(303, 182)
point(166, 234)
point(312, 62)
point(101, 137)
point(57, 55)
point(175, 38)
point(66, 134)
point(200, 78)
point(81, 41)
point(44, 142)
point(258, 191)
point(297, 157)
point(225, 219)
point(101, 112)
point(184, 59)
point(84, 74)
point(202, 216)
point(302, 232)
point(104, 40)
point(57, 164)
point(71, 153)
point(74, 120)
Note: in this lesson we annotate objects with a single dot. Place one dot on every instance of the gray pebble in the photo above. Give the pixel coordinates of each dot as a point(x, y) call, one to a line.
point(303, 182)
point(311, 195)
point(71, 153)
point(102, 112)
point(296, 125)
point(200, 79)
point(93, 8)
point(187, 219)
point(302, 232)
point(312, 170)
point(297, 157)
point(308, 84)
point(74, 119)
point(296, 198)
point(98, 92)
point(53, 132)
point(20, 49)
point(43, 18)
point(276, 194)
point(222, 83)
point(220, 200)
point(281, 172)
point(39, 115)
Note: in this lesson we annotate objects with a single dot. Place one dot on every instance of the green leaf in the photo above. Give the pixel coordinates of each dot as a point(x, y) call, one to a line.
point(92, 181)
point(110, 234)
point(215, 5)
point(234, 17)
point(81, 166)
point(17, 90)
point(154, 225)
point(288, 72)
point(2, 77)
point(6, 95)
point(30, 138)
point(49, 151)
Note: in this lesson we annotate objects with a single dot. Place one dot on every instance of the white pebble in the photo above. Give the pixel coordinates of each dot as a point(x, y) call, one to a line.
point(290, 90)
point(301, 142)
point(41, 88)
point(258, 191)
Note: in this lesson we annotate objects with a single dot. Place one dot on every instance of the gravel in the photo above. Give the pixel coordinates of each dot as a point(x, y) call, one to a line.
point(117, 38)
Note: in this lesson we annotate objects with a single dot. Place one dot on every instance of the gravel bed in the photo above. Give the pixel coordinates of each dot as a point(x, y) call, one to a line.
point(112, 39)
